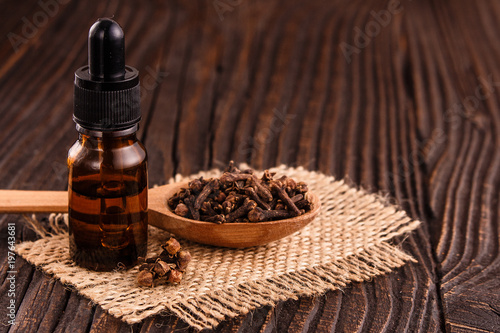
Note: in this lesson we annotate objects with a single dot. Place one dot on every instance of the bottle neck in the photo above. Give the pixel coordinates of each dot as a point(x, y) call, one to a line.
point(107, 139)
point(128, 132)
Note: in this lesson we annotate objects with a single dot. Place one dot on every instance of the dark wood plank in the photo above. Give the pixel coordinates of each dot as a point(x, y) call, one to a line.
point(329, 317)
point(51, 174)
point(262, 118)
point(37, 296)
point(306, 318)
point(77, 316)
point(103, 322)
point(21, 275)
point(55, 308)
point(464, 166)
point(267, 83)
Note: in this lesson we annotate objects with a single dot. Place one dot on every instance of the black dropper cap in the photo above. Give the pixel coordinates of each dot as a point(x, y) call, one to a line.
point(107, 93)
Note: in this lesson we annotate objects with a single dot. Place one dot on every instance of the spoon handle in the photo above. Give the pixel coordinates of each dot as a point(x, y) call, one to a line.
point(15, 201)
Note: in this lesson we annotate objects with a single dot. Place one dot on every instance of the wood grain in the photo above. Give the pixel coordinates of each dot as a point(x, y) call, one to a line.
point(411, 115)
point(14, 201)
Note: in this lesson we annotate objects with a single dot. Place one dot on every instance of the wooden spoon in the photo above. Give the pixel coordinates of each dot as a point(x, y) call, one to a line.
point(236, 235)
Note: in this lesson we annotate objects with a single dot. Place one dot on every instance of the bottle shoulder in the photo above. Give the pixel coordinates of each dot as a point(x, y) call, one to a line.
point(93, 156)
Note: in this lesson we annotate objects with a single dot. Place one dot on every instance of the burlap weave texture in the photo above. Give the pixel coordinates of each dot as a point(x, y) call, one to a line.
point(348, 241)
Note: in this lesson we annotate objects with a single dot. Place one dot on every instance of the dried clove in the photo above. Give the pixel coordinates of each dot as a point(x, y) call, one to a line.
point(231, 168)
point(172, 246)
point(181, 210)
point(174, 276)
point(170, 265)
point(247, 206)
point(227, 206)
point(183, 259)
point(146, 266)
point(189, 202)
point(267, 176)
point(145, 278)
point(161, 268)
point(255, 197)
point(280, 206)
point(229, 177)
point(303, 204)
point(262, 190)
point(297, 198)
point(259, 215)
point(211, 186)
point(174, 200)
point(301, 187)
point(275, 186)
point(236, 193)
point(220, 196)
point(206, 208)
point(196, 185)
point(219, 218)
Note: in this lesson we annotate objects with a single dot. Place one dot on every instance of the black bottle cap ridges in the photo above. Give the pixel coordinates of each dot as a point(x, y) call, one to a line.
point(107, 93)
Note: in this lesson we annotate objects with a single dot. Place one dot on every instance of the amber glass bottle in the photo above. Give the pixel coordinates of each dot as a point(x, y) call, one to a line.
point(107, 165)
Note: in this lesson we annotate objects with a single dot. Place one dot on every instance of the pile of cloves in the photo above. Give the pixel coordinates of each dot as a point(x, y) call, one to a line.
point(169, 266)
point(240, 196)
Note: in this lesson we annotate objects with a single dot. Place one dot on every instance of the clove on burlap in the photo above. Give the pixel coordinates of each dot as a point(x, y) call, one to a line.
point(170, 265)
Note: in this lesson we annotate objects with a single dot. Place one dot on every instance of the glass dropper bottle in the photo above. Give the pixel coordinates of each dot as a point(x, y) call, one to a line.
point(108, 179)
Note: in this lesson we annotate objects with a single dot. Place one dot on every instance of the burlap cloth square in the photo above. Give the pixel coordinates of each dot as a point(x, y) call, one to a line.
point(347, 242)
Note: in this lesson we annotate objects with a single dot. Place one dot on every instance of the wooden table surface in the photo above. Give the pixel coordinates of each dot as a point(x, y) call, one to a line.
point(399, 97)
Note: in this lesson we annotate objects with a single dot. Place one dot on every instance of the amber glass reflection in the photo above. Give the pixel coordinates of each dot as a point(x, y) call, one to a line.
point(107, 200)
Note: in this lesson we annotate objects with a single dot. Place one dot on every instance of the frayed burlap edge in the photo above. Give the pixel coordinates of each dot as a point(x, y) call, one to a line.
point(314, 281)
point(358, 263)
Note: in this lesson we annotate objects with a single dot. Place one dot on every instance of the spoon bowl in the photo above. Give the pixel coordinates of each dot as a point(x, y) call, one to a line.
point(235, 235)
